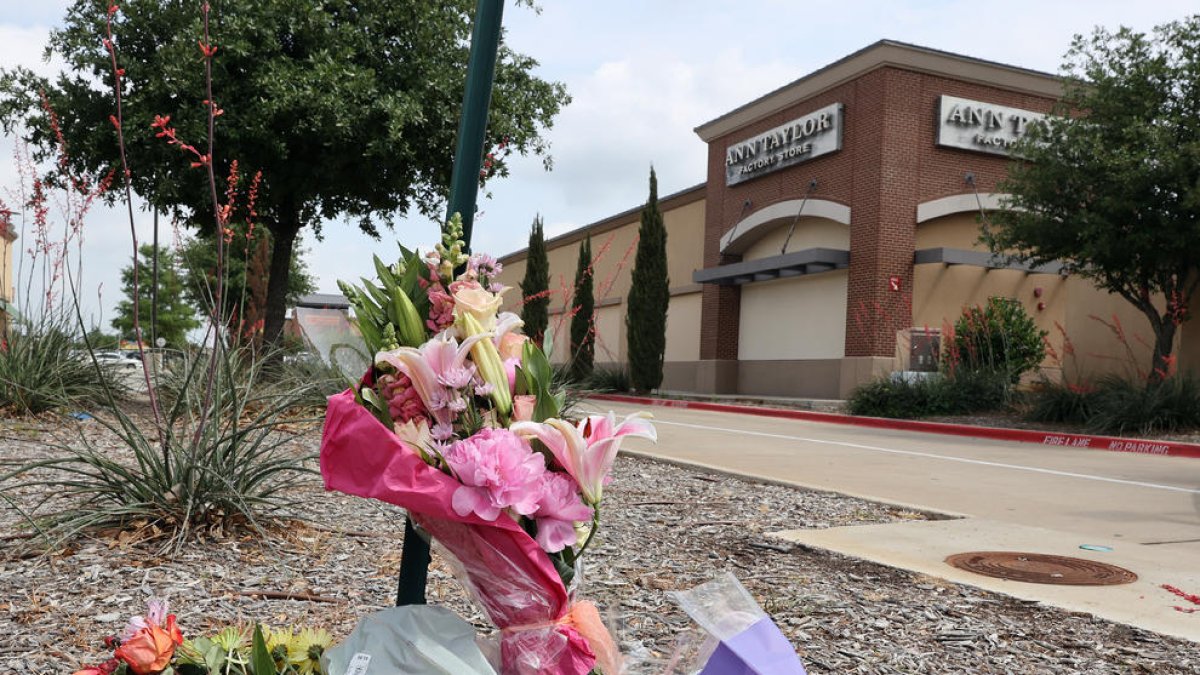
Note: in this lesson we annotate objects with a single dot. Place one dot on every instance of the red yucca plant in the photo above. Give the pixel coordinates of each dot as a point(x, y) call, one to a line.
point(210, 459)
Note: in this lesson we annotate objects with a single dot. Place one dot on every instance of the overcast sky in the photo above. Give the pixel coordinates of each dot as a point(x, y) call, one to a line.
point(642, 74)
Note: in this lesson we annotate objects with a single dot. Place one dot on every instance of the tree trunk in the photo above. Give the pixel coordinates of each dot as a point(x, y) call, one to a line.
point(277, 280)
point(1163, 363)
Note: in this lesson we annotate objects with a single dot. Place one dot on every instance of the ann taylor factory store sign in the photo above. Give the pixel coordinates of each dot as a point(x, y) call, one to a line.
point(973, 125)
point(817, 133)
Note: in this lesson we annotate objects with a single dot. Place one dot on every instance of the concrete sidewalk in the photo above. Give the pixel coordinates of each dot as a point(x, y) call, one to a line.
point(922, 546)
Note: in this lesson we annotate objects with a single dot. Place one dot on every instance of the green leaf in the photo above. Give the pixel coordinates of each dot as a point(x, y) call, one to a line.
point(378, 295)
point(260, 659)
point(385, 275)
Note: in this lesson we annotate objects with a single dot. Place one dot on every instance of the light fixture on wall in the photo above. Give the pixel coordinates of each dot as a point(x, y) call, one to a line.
point(1037, 292)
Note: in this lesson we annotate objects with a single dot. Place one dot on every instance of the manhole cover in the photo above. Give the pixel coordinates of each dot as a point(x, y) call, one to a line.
point(1037, 568)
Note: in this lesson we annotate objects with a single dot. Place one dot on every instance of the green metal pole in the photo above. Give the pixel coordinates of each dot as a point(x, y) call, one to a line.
point(464, 188)
point(481, 72)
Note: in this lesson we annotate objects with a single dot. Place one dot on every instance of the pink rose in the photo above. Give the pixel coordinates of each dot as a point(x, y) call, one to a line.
point(523, 407)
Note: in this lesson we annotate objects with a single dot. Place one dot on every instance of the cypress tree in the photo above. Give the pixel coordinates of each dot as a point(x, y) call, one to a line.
point(649, 295)
point(535, 311)
point(583, 337)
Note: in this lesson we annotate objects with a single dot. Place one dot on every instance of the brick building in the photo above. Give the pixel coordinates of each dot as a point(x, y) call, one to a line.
point(838, 230)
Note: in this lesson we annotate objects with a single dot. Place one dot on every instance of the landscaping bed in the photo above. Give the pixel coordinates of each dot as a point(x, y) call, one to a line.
point(664, 528)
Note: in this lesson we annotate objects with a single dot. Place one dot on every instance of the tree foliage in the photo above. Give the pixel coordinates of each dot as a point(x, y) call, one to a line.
point(535, 288)
point(174, 318)
point(649, 296)
point(247, 271)
point(1110, 184)
point(583, 320)
point(348, 107)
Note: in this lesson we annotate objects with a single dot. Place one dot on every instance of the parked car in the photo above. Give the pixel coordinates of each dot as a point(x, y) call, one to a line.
point(113, 359)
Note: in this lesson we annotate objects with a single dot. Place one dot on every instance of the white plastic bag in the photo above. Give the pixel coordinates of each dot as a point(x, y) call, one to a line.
point(415, 640)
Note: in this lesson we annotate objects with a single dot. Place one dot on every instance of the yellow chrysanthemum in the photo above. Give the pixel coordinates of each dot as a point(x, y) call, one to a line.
point(230, 639)
point(305, 650)
point(276, 637)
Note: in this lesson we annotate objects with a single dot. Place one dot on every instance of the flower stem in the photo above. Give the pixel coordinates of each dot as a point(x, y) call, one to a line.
point(591, 531)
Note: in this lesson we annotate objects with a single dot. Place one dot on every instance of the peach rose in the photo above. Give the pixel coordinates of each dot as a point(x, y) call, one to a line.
point(481, 304)
point(511, 345)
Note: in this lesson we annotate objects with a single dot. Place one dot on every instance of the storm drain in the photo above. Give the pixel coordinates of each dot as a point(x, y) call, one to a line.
point(1037, 568)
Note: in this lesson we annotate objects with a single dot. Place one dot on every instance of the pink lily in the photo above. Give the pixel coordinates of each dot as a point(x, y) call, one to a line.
point(440, 360)
point(587, 450)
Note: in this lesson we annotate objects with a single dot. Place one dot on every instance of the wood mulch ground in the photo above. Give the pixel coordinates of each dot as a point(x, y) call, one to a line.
point(665, 528)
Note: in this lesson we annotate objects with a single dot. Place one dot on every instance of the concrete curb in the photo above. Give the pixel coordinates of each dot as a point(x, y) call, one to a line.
point(1107, 443)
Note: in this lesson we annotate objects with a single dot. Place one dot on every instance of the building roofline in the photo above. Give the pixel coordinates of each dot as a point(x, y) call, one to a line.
point(882, 54)
point(672, 201)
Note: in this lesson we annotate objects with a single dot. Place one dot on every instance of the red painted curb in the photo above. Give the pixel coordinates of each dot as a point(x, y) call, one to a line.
point(1108, 443)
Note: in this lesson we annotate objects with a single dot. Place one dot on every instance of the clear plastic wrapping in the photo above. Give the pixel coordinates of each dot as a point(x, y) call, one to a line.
point(743, 640)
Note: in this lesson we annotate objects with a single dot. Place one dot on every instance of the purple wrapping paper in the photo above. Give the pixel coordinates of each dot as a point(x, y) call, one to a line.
point(761, 649)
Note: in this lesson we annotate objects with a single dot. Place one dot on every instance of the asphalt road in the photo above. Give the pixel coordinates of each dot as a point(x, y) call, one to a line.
point(1144, 499)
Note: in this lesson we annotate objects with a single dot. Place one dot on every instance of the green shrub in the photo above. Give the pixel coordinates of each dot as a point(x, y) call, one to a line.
point(42, 368)
point(887, 397)
point(1061, 403)
point(999, 337)
point(320, 379)
point(963, 393)
point(609, 379)
point(1124, 406)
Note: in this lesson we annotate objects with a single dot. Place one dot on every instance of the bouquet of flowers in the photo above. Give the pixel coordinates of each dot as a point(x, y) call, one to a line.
point(458, 423)
point(153, 644)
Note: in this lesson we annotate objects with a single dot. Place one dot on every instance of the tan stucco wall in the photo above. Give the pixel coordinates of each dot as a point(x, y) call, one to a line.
point(683, 328)
point(512, 275)
point(796, 318)
point(558, 337)
point(685, 243)
point(960, 230)
point(610, 334)
point(1098, 350)
point(1189, 339)
point(614, 252)
point(810, 233)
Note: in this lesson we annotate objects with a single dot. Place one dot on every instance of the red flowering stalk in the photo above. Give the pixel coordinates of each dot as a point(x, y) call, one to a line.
point(209, 50)
point(118, 122)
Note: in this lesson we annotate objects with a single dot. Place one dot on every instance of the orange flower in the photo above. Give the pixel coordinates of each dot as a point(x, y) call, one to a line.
point(150, 649)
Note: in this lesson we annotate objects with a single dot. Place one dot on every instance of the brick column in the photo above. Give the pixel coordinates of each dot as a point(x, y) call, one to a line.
point(882, 229)
point(720, 306)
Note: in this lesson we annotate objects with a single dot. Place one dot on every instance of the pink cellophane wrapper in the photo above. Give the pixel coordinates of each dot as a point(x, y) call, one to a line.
point(512, 578)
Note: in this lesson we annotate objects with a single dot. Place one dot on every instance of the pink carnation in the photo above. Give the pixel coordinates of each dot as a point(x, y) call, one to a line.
point(498, 470)
point(403, 401)
point(561, 507)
